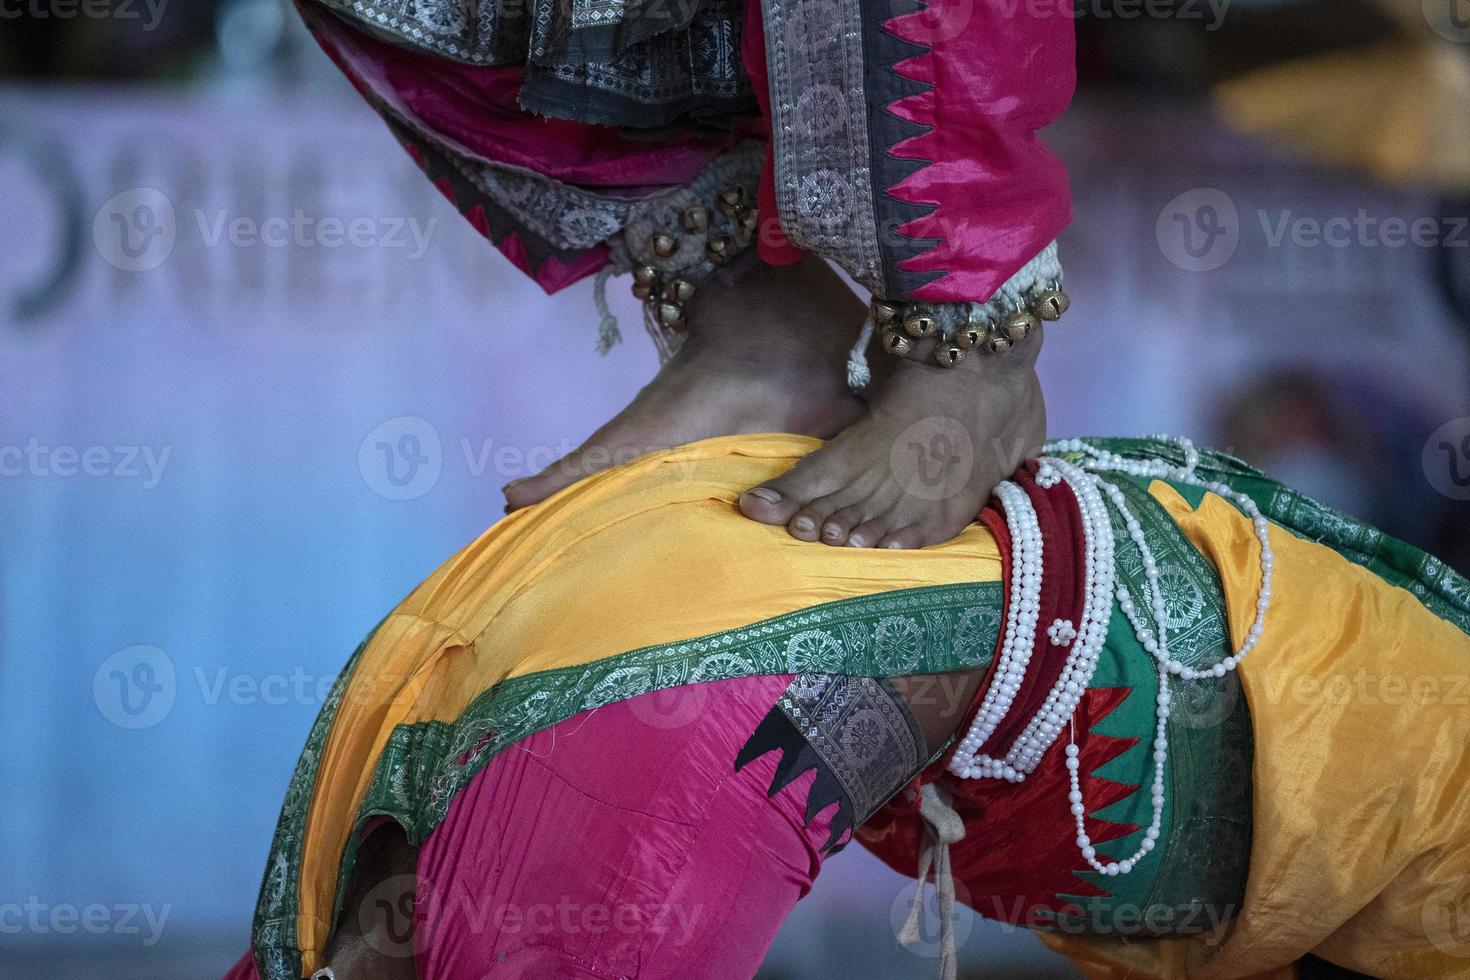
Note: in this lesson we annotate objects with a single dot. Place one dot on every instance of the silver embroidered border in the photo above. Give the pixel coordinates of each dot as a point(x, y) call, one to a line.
point(819, 132)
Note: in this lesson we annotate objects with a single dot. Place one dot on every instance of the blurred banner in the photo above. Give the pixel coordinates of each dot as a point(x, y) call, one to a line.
point(257, 379)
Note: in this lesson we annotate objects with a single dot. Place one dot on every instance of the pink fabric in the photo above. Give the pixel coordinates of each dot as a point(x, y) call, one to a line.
point(620, 842)
point(998, 73)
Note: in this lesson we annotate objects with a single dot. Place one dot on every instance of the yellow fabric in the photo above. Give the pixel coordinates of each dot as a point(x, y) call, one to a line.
point(1361, 711)
point(652, 552)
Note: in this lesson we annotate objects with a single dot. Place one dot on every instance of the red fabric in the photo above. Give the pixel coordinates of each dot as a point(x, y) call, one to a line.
point(998, 73)
point(1004, 819)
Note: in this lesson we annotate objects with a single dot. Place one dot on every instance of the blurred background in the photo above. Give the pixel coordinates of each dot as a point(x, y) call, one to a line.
point(1271, 255)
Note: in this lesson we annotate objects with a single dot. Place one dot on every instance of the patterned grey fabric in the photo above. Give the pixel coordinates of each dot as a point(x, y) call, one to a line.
point(636, 64)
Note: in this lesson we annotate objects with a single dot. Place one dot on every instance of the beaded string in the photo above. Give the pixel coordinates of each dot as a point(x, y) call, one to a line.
point(1091, 490)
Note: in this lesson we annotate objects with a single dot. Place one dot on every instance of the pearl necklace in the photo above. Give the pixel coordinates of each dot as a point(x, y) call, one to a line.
point(1086, 639)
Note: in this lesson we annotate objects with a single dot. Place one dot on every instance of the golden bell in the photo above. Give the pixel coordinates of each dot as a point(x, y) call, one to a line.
point(948, 355)
point(732, 199)
point(719, 248)
point(695, 220)
point(643, 290)
point(897, 343)
point(969, 337)
point(920, 324)
point(884, 313)
point(669, 314)
point(645, 275)
point(1015, 327)
point(996, 344)
point(1052, 303)
point(679, 290)
point(663, 245)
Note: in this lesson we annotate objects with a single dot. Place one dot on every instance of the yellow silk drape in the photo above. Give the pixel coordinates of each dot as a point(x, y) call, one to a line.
point(651, 552)
point(1360, 703)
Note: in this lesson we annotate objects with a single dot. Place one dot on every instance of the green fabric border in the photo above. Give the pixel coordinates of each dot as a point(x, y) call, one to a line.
point(933, 629)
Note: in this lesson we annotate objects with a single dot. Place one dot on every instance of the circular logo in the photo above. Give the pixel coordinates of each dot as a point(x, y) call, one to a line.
point(1446, 459)
point(1450, 19)
point(134, 688)
point(1199, 230)
point(1204, 702)
point(401, 458)
point(927, 943)
point(933, 458)
point(1446, 918)
point(135, 230)
point(670, 707)
point(386, 914)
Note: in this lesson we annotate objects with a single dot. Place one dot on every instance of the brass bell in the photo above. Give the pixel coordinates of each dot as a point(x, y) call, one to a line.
point(679, 290)
point(949, 354)
point(644, 290)
point(969, 337)
point(747, 221)
point(896, 342)
point(732, 199)
point(645, 275)
point(695, 220)
point(996, 344)
point(669, 315)
point(1052, 303)
point(884, 313)
point(663, 245)
point(1016, 326)
point(920, 324)
point(719, 248)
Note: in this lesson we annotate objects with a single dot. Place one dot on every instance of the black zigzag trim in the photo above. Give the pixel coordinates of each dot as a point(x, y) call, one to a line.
point(436, 166)
point(776, 733)
point(883, 86)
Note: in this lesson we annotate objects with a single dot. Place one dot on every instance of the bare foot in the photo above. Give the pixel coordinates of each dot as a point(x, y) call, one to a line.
point(766, 354)
point(914, 470)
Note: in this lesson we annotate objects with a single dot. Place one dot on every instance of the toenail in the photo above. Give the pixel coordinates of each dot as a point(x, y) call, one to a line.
point(831, 531)
point(803, 524)
point(894, 544)
point(857, 541)
point(767, 494)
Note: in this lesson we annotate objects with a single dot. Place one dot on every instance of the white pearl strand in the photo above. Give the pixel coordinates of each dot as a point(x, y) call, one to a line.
point(1097, 604)
point(1082, 661)
point(1019, 640)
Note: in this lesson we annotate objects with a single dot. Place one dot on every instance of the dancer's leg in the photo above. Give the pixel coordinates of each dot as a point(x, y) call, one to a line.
point(765, 354)
point(916, 468)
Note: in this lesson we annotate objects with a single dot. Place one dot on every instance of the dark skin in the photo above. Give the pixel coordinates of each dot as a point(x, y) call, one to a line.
point(907, 465)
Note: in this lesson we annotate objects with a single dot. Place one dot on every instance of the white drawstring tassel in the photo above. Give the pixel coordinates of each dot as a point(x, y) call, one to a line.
point(608, 333)
point(858, 373)
point(942, 827)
